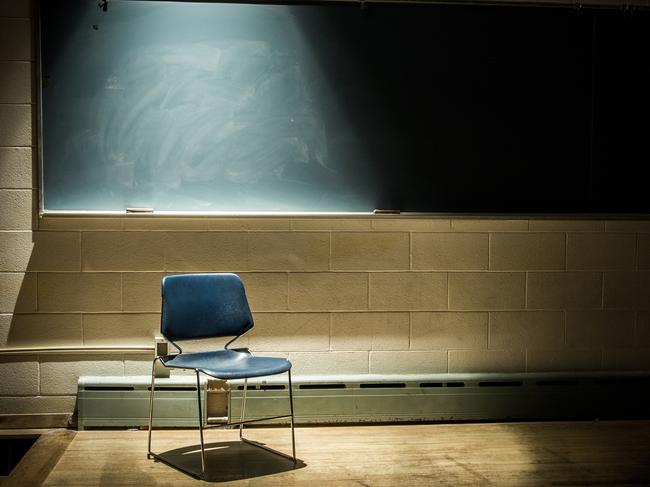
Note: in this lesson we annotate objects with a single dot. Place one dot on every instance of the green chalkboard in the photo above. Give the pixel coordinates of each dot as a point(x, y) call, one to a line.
point(204, 107)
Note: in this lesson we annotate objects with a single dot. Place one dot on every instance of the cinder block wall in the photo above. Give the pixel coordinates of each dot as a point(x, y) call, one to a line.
point(336, 295)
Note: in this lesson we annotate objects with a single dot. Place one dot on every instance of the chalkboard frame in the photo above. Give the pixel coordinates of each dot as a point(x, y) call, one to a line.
point(643, 213)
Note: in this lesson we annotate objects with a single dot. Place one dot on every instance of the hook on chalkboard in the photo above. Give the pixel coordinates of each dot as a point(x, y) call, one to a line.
point(629, 10)
point(103, 5)
point(578, 7)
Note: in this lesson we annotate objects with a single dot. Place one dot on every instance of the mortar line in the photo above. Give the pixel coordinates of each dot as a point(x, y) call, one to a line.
point(83, 328)
point(38, 372)
point(489, 329)
point(526, 290)
point(329, 261)
point(411, 251)
point(36, 286)
point(489, 251)
point(330, 330)
point(368, 291)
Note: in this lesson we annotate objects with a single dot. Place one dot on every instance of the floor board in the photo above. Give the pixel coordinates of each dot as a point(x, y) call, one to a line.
point(517, 454)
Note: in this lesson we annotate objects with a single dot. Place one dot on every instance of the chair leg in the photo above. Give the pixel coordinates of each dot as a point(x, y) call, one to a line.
point(243, 409)
point(261, 445)
point(198, 392)
point(293, 437)
point(163, 459)
point(151, 391)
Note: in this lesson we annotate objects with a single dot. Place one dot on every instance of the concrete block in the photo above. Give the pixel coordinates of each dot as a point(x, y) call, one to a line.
point(600, 329)
point(79, 291)
point(407, 224)
point(206, 251)
point(141, 291)
point(410, 362)
point(527, 251)
point(15, 251)
point(287, 251)
point(487, 361)
point(554, 360)
point(628, 226)
point(139, 364)
point(15, 8)
point(38, 405)
point(267, 291)
point(510, 330)
point(408, 291)
point(320, 291)
point(120, 329)
point(627, 359)
point(50, 222)
point(601, 251)
point(564, 290)
point(139, 222)
point(290, 332)
point(16, 167)
point(450, 251)
point(45, 330)
point(324, 363)
point(537, 225)
point(56, 251)
point(488, 225)
point(370, 251)
point(5, 327)
point(15, 39)
point(627, 289)
point(643, 255)
point(370, 331)
point(19, 375)
point(487, 290)
point(331, 224)
point(60, 373)
point(17, 292)
point(449, 330)
point(122, 251)
point(17, 209)
point(247, 223)
point(15, 82)
point(15, 123)
point(642, 334)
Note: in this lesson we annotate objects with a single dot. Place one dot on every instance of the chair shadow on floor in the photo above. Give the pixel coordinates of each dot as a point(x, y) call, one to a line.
point(229, 460)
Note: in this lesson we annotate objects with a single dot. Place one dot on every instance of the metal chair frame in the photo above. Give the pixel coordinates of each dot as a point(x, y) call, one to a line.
point(240, 423)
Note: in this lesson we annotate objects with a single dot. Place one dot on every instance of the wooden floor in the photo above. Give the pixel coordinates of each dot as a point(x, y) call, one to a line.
point(518, 454)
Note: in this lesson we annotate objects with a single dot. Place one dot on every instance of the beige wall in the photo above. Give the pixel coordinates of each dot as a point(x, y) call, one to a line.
point(345, 295)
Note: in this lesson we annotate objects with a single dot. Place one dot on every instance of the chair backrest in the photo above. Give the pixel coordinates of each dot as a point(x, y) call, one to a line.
point(204, 306)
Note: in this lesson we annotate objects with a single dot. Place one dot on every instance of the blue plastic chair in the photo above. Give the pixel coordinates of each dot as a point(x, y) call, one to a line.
point(198, 306)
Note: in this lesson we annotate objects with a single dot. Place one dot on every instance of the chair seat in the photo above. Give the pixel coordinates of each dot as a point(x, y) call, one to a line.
point(228, 364)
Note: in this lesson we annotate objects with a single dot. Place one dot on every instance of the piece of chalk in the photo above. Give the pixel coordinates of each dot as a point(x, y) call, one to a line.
point(139, 210)
point(383, 211)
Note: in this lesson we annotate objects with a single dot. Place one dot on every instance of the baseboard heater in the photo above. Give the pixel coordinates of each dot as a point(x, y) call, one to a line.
point(124, 401)
point(450, 397)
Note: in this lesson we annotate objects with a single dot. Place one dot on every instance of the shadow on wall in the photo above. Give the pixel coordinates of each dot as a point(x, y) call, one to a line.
point(41, 381)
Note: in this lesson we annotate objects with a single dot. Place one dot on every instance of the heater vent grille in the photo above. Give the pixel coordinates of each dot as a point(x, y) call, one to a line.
point(118, 402)
point(453, 397)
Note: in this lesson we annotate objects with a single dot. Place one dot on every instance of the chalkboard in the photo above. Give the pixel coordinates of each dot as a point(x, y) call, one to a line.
point(205, 107)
